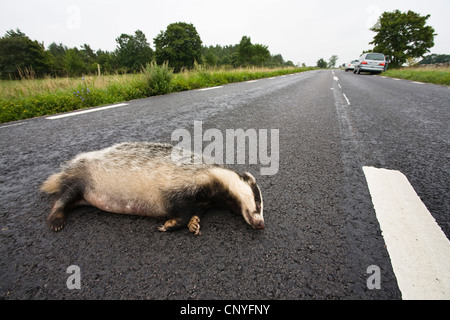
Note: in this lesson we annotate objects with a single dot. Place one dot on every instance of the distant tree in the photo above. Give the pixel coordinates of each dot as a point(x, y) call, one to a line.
point(106, 60)
point(18, 52)
point(402, 35)
point(74, 63)
point(133, 51)
point(252, 54)
point(57, 57)
point(321, 63)
point(180, 45)
point(332, 61)
point(435, 58)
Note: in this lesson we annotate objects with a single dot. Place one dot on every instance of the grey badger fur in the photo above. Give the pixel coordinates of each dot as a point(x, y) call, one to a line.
point(141, 178)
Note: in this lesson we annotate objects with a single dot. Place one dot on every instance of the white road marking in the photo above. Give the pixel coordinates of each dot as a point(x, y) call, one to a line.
point(396, 79)
point(418, 82)
point(339, 85)
point(210, 88)
point(418, 248)
point(335, 78)
point(12, 125)
point(346, 99)
point(71, 114)
point(271, 78)
point(251, 81)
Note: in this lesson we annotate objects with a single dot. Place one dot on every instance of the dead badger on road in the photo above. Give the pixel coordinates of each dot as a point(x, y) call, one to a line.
point(142, 179)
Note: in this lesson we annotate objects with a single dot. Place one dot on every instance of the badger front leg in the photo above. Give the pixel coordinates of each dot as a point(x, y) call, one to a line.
point(194, 225)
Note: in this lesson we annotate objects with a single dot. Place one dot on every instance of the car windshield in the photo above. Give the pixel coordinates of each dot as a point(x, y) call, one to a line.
point(375, 56)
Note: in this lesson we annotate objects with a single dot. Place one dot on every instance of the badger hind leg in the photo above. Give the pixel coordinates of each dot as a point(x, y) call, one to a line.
point(172, 224)
point(67, 199)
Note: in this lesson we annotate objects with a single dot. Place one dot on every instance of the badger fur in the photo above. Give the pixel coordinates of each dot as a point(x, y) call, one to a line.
point(141, 178)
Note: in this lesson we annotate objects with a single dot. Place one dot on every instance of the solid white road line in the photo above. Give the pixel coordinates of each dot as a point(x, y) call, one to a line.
point(418, 248)
point(71, 114)
point(210, 88)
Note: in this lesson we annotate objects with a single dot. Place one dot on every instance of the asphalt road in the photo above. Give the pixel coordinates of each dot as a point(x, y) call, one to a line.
point(321, 231)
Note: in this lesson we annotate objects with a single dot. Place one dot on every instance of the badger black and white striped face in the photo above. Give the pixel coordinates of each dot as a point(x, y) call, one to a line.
point(252, 203)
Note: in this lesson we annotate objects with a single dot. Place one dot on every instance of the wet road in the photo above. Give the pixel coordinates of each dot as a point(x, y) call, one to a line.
point(321, 231)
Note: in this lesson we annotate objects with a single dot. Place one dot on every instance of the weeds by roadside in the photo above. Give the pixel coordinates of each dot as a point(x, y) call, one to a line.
point(32, 98)
point(430, 75)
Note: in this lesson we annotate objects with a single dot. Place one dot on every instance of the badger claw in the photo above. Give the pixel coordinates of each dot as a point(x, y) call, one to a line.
point(194, 225)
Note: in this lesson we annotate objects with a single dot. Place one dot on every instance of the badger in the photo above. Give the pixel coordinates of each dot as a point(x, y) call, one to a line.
point(141, 178)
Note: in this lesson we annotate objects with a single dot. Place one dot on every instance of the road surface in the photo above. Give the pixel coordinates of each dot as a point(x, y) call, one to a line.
point(322, 239)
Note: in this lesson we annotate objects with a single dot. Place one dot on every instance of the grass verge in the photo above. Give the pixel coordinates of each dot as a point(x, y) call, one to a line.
point(32, 98)
point(430, 75)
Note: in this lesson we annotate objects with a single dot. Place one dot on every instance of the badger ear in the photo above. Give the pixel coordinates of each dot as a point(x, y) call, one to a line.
point(247, 177)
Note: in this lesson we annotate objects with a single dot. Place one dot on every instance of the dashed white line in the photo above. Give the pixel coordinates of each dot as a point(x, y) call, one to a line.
point(210, 88)
point(346, 99)
point(418, 82)
point(12, 125)
point(251, 81)
point(71, 114)
point(418, 248)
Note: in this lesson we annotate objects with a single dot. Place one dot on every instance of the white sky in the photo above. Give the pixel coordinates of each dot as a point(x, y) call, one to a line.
point(302, 31)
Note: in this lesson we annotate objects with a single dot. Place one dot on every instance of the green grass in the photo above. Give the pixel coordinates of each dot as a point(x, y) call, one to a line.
point(430, 75)
point(33, 98)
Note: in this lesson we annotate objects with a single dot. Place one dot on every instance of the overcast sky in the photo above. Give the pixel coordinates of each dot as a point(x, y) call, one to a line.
point(302, 31)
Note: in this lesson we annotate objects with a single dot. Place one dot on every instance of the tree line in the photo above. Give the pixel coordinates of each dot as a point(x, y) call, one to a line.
point(180, 45)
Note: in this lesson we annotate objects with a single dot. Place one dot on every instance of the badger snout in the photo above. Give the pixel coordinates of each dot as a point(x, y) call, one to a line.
point(258, 225)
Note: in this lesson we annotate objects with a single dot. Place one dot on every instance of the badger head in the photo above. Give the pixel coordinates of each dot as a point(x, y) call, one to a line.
point(251, 202)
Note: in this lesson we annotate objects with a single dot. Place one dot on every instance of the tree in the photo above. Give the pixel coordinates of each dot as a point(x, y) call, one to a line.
point(133, 51)
point(74, 64)
point(180, 45)
point(435, 58)
point(261, 54)
point(18, 52)
point(57, 54)
point(402, 35)
point(321, 63)
point(332, 61)
point(252, 54)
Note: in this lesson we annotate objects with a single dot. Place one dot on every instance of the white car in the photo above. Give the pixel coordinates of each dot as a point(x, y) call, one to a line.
point(351, 65)
point(371, 62)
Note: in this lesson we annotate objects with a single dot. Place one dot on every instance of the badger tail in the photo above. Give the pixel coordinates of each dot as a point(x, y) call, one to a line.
point(52, 184)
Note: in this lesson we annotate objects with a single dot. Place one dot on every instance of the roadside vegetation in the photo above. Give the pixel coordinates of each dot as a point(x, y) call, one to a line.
point(40, 81)
point(430, 75)
point(22, 99)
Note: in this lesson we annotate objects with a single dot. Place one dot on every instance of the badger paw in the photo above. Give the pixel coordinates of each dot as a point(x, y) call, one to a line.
point(56, 221)
point(194, 225)
point(170, 224)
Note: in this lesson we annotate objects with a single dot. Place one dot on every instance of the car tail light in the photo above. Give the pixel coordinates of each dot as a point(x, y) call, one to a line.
point(381, 64)
point(364, 62)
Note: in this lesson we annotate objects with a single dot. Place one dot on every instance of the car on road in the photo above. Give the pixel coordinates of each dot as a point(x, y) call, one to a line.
point(371, 62)
point(350, 65)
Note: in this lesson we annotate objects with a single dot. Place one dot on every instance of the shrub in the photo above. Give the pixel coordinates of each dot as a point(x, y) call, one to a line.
point(157, 78)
